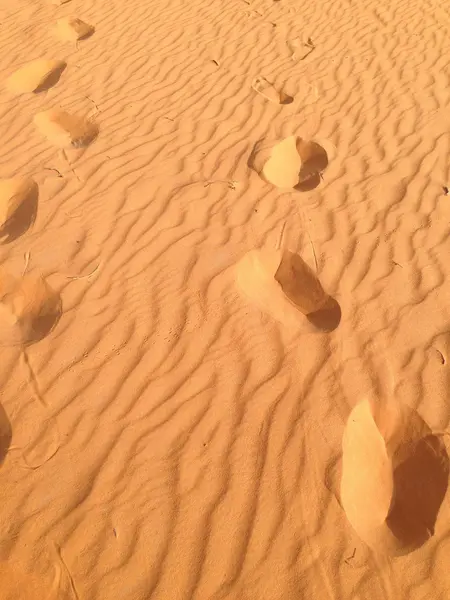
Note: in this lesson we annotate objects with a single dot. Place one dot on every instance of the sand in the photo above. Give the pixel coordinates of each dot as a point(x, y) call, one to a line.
point(225, 357)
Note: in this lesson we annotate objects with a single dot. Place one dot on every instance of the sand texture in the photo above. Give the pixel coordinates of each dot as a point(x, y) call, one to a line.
point(224, 300)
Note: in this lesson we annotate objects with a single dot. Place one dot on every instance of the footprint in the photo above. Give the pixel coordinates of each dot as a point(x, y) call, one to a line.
point(71, 29)
point(283, 167)
point(36, 76)
point(5, 434)
point(29, 309)
point(394, 476)
point(367, 471)
point(64, 129)
point(283, 285)
point(297, 48)
point(267, 90)
point(292, 163)
point(18, 206)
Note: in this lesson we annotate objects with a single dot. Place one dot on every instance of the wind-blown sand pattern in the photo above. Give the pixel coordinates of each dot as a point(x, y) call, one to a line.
point(168, 437)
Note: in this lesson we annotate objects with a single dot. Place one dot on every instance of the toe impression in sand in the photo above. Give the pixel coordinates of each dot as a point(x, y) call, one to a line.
point(293, 163)
point(29, 309)
point(265, 89)
point(36, 76)
point(71, 29)
point(394, 476)
point(18, 206)
point(283, 285)
point(65, 130)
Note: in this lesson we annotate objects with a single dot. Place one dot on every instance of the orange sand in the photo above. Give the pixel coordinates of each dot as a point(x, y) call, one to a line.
point(224, 300)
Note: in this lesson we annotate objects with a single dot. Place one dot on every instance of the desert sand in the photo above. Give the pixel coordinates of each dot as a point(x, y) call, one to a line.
point(224, 300)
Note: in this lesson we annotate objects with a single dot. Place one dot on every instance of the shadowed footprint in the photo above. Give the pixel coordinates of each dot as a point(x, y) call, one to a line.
point(5, 434)
point(64, 129)
point(394, 476)
point(328, 317)
point(18, 207)
point(283, 285)
point(29, 309)
point(71, 29)
point(268, 91)
point(36, 76)
point(293, 163)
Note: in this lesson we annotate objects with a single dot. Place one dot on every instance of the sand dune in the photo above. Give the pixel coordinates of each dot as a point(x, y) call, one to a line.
point(225, 316)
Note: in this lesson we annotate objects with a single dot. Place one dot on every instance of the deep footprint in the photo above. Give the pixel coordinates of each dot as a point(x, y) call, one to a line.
point(394, 476)
point(18, 206)
point(283, 285)
point(71, 29)
point(36, 76)
point(29, 309)
point(293, 163)
point(66, 130)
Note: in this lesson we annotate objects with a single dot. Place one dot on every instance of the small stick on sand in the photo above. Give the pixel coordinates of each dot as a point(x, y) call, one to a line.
point(27, 261)
point(349, 558)
point(231, 183)
point(64, 155)
point(32, 380)
point(52, 169)
point(441, 356)
point(69, 576)
point(75, 278)
point(281, 238)
point(94, 103)
point(313, 249)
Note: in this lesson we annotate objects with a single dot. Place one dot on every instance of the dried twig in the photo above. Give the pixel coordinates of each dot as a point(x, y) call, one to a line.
point(313, 249)
point(85, 276)
point(281, 238)
point(63, 152)
point(69, 576)
point(350, 557)
point(94, 103)
point(27, 261)
point(51, 169)
point(32, 380)
point(442, 357)
point(231, 183)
